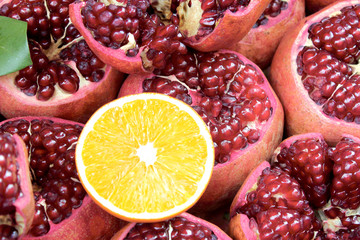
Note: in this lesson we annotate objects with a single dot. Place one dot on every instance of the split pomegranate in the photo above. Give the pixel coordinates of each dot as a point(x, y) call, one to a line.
point(310, 191)
point(315, 5)
point(16, 196)
point(66, 79)
point(62, 208)
point(314, 73)
point(260, 44)
point(138, 36)
point(183, 227)
point(233, 97)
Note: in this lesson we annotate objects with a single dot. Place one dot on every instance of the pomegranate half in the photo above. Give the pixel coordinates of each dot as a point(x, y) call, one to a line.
point(314, 73)
point(138, 36)
point(17, 205)
point(66, 78)
point(310, 191)
point(182, 227)
point(62, 208)
point(260, 43)
point(232, 95)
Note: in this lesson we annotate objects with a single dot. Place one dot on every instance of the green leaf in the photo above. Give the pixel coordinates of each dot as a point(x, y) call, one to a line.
point(14, 49)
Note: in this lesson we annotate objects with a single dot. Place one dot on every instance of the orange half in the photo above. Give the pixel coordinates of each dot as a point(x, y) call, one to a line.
point(145, 157)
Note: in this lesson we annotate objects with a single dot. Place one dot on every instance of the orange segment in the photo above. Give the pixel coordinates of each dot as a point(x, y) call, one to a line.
point(145, 157)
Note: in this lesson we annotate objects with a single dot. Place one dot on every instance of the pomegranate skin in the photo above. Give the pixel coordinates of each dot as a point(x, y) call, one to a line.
point(227, 177)
point(302, 113)
point(88, 222)
point(25, 205)
point(224, 34)
point(260, 44)
point(76, 107)
point(217, 231)
point(315, 5)
point(115, 57)
point(241, 227)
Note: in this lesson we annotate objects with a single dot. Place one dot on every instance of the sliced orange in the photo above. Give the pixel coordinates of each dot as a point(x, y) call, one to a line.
point(145, 157)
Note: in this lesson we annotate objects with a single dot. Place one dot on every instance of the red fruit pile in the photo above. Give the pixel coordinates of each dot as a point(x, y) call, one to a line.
point(314, 73)
point(311, 191)
point(261, 42)
point(66, 79)
point(235, 100)
point(138, 36)
point(59, 196)
point(79, 52)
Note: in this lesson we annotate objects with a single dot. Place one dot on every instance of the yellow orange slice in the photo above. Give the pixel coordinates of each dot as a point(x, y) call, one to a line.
point(145, 157)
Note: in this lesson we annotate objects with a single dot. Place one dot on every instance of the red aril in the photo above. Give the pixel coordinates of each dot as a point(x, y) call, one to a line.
point(260, 43)
point(17, 200)
point(62, 208)
point(138, 36)
point(314, 73)
point(237, 103)
point(66, 79)
point(310, 191)
point(182, 227)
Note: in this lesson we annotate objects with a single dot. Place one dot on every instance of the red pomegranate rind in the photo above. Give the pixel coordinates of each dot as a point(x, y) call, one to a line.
point(77, 107)
point(315, 5)
point(52, 144)
point(273, 10)
point(66, 79)
point(248, 228)
point(184, 226)
point(305, 157)
point(248, 184)
point(114, 57)
point(21, 207)
point(260, 44)
point(294, 93)
point(25, 204)
point(87, 222)
point(227, 28)
point(232, 166)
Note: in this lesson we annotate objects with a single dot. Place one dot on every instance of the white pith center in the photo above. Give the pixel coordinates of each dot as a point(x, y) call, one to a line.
point(170, 230)
point(147, 153)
